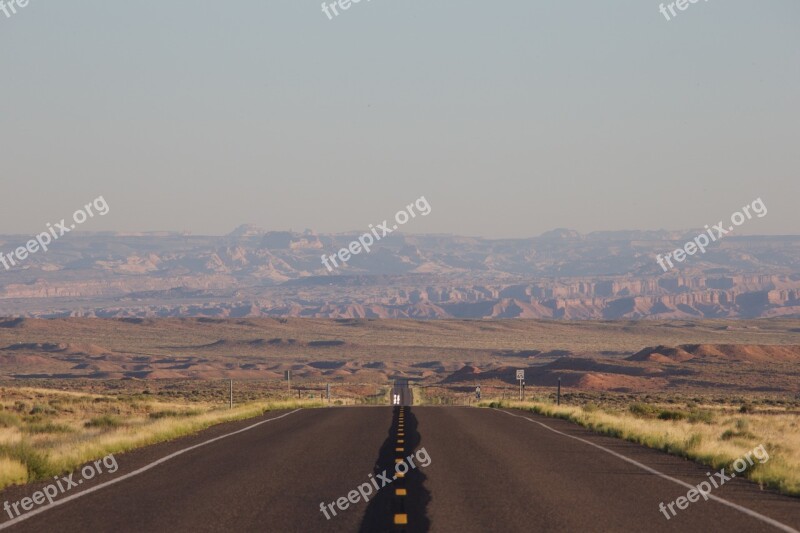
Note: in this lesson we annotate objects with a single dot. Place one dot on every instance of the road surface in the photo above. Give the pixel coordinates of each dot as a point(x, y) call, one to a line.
point(401, 393)
point(488, 470)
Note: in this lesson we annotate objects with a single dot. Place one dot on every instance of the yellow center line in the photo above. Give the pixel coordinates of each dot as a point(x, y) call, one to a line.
point(400, 519)
point(400, 492)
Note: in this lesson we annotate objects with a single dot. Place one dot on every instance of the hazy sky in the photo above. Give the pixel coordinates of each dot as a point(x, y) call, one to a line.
point(512, 117)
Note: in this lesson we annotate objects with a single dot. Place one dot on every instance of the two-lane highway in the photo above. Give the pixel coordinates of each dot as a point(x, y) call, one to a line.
point(489, 470)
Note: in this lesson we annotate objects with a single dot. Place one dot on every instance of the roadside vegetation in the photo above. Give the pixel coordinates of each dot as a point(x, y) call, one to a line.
point(46, 432)
point(713, 434)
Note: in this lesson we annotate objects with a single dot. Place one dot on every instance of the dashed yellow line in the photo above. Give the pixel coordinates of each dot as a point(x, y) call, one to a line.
point(400, 519)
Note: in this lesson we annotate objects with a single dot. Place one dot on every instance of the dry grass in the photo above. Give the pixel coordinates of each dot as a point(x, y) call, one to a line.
point(713, 435)
point(45, 432)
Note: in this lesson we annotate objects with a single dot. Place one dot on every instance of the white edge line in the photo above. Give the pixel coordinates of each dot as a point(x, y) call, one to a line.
point(745, 510)
point(56, 503)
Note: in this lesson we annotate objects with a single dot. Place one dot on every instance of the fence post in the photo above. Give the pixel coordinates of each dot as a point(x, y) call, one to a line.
point(558, 398)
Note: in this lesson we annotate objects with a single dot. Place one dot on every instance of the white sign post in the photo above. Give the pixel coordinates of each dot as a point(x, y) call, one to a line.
point(521, 379)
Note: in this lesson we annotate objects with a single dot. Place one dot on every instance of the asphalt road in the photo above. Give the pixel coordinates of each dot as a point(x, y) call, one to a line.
point(487, 470)
point(402, 393)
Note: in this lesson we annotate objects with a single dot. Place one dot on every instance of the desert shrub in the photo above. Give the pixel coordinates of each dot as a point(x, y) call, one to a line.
point(47, 427)
point(169, 412)
point(35, 462)
point(694, 440)
point(104, 399)
point(8, 420)
point(699, 415)
point(40, 409)
point(671, 415)
point(729, 434)
point(104, 422)
point(643, 410)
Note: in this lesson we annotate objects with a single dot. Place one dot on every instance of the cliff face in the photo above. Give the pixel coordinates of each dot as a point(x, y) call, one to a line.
point(560, 275)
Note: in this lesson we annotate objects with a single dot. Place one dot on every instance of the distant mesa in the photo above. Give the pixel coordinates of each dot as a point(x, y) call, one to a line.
point(560, 234)
point(247, 230)
point(560, 274)
point(738, 352)
point(662, 354)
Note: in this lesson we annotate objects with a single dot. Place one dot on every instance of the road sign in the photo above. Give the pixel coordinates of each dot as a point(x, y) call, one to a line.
point(478, 392)
point(520, 374)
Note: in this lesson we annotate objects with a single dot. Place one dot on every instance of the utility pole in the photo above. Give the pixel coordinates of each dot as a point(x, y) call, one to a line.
point(288, 380)
point(231, 394)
